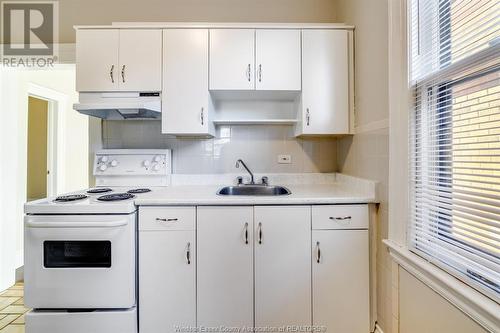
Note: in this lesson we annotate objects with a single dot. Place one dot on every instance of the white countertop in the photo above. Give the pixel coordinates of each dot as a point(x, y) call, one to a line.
point(306, 190)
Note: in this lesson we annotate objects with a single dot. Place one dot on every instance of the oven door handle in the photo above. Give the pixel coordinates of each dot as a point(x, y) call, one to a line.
point(111, 224)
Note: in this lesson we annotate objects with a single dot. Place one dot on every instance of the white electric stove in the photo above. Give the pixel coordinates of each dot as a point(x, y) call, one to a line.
point(81, 247)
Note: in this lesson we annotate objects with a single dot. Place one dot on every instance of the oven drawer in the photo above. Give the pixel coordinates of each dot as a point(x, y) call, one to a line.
point(340, 217)
point(98, 321)
point(167, 218)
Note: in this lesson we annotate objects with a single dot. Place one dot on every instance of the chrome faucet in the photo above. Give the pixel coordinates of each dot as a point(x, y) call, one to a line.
point(240, 161)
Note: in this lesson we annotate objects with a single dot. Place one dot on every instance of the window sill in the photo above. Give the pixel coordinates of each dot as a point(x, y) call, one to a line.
point(480, 308)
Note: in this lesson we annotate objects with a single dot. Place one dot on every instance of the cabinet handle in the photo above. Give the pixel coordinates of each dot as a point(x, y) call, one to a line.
point(246, 233)
point(167, 220)
point(259, 232)
point(202, 116)
point(308, 117)
point(249, 71)
point(188, 253)
point(260, 73)
point(123, 73)
point(318, 253)
point(111, 70)
point(340, 218)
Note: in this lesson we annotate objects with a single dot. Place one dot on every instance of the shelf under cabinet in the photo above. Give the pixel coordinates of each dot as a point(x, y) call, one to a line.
point(255, 121)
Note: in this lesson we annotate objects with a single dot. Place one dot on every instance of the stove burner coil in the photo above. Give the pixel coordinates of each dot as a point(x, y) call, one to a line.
point(71, 197)
point(115, 197)
point(139, 190)
point(99, 190)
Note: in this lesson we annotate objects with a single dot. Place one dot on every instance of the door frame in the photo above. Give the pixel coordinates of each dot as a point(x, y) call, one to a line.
point(57, 102)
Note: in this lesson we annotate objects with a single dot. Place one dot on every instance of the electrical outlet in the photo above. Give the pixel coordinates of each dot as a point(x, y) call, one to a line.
point(284, 159)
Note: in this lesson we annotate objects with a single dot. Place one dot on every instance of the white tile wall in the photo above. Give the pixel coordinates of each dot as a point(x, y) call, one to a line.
point(259, 146)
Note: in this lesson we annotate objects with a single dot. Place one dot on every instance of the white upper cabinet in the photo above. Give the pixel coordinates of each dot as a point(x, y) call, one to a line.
point(325, 107)
point(277, 59)
point(247, 59)
point(97, 59)
point(140, 60)
point(186, 100)
point(232, 54)
point(282, 266)
point(118, 60)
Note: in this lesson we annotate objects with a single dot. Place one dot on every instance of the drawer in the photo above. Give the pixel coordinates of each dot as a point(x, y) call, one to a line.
point(340, 217)
point(167, 218)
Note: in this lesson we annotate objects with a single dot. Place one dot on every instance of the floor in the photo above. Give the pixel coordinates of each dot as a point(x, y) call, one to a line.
point(12, 309)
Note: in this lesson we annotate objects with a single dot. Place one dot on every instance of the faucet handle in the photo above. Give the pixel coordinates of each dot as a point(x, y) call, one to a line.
point(239, 180)
point(265, 180)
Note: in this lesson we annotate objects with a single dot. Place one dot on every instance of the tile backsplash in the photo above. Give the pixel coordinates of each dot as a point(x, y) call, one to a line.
point(258, 146)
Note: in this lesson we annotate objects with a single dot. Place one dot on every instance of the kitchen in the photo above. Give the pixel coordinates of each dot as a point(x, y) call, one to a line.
point(240, 175)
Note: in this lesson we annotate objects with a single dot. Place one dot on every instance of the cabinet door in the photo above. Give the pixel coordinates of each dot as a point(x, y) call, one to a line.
point(277, 60)
point(225, 266)
point(325, 82)
point(282, 266)
point(232, 59)
point(167, 283)
point(185, 81)
point(341, 296)
point(140, 60)
point(97, 59)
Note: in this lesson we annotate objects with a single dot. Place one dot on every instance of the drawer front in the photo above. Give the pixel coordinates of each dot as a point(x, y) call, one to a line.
point(167, 218)
point(340, 217)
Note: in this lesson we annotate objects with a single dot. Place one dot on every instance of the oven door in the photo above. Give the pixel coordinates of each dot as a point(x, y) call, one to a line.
point(80, 261)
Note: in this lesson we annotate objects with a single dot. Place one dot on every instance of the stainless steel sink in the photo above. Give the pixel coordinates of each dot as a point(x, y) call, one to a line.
point(255, 190)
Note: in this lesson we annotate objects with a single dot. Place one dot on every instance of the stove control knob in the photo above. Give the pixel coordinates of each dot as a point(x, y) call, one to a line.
point(146, 163)
point(156, 167)
point(157, 158)
point(103, 167)
point(104, 159)
point(114, 163)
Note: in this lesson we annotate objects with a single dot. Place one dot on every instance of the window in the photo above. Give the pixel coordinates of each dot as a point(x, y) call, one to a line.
point(455, 138)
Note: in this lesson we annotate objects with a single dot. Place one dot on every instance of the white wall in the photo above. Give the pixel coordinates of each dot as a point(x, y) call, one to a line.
point(423, 310)
point(367, 153)
point(73, 142)
point(85, 12)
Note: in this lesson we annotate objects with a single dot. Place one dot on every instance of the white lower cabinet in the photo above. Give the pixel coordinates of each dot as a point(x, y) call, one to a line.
point(340, 280)
point(263, 266)
point(167, 270)
point(225, 266)
point(282, 266)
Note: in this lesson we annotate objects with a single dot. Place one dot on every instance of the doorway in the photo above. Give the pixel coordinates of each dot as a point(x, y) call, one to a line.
point(38, 149)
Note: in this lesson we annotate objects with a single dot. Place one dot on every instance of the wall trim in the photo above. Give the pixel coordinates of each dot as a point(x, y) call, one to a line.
point(472, 303)
point(378, 329)
point(373, 126)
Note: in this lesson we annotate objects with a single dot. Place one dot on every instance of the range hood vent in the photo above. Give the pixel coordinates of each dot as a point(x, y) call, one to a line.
point(121, 106)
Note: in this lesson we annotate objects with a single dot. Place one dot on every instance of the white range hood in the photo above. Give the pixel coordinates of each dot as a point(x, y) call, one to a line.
point(120, 105)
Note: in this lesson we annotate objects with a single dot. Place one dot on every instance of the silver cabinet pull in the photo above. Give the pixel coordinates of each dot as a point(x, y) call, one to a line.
point(246, 233)
point(318, 253)
point(202, 116)
point(259, 232)
point(260, 73)
point(340, 218)
point(249, 71)
point(308, 117)
point(167, 220)
point(188, 253)
point(123, 73)
point(111, 70)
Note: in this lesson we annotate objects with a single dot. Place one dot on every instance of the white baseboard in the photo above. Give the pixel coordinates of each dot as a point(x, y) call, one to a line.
point(378, 329)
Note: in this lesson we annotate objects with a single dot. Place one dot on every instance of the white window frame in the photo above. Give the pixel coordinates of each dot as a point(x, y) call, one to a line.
point(474, 304)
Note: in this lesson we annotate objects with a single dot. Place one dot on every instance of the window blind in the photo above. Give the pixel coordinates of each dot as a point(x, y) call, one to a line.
point(455, 138)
